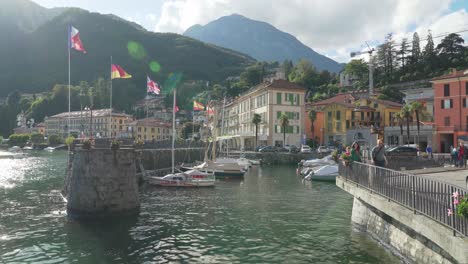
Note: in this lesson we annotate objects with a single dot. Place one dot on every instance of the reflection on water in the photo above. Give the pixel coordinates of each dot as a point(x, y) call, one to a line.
point(269, 217)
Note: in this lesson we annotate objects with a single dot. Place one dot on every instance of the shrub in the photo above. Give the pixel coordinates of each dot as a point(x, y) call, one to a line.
point(69, 140)
point(55, 140)
point(37, 138)
point(18, 139)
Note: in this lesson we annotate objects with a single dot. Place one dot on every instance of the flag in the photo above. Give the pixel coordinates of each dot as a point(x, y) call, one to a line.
point(176, 109)
point(118, 72)
point(152, 86)
point(74, 41)
point(210, 110)
point(197, 106)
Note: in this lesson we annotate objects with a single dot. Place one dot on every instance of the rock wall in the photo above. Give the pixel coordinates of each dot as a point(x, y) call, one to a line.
point(101, 183)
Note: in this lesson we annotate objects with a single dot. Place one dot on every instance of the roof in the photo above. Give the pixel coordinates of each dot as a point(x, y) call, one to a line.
point(150, 122)
point(96, 113)
point(343, 98)
point(283, 84)
point(453, 74)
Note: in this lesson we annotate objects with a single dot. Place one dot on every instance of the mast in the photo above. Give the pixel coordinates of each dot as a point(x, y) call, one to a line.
point(173, 129)
point(110, 103)
point(69, 82)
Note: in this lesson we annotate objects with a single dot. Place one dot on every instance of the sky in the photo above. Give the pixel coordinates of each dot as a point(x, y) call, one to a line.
point(331, 27)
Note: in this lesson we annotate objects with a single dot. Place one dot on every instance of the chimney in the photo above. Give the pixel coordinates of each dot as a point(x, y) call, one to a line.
point(454, 71)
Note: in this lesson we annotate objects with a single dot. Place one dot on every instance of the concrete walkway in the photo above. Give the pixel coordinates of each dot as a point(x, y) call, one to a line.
point(451, 175)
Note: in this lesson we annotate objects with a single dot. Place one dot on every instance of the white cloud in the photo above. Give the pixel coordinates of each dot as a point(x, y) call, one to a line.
point(333, 27)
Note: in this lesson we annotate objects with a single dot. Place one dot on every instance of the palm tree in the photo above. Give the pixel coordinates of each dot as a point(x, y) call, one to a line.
point(399, 120)
point(417, 108)
point(284, 122)
point(406, 114)
point(312, 117)
point(257, 119)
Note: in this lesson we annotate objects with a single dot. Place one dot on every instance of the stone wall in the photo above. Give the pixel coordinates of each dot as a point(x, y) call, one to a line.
point(101, 183)
point(413, 237)
point(154, 159)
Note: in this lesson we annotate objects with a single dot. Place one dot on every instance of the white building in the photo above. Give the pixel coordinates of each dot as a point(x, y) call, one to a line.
point(423, 95)
point(270, 100)
point(86, 123)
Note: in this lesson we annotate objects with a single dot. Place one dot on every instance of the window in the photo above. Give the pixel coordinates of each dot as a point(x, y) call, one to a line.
point(446, 104)
point(329, 116)
point(347, 124)
point(120, 121)
point(338, 115)
point(376, 105)
point(464, 102)
point(466, 129)
point(446, 89)
point(152, 130)
point(278, 98)
point(447, 121)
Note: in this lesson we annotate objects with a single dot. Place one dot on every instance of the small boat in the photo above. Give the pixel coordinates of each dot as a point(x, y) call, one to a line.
point(254, 162)
point(324, 173)
point(15, 149)
point(192, 178)
point(327, 160)
point(242, 162)
point(28, 148)
point(219, 169)
point(49, 149)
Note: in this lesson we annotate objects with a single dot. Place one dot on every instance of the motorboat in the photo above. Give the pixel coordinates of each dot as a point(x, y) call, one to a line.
point(15, 149)
point(254, 162)
point(49, 149)
point(242, 162)
point(219, 169)
point(28, 148)
point(327, 160)
point(323, 173)
point(191, 178)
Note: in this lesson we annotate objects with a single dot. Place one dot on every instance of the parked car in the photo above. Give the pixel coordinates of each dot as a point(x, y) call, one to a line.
point(305, 149)
point(323, 149)
point(281, 149)
point(402, 151)
point(291, 148)
point(258, 148)
point(268, 149)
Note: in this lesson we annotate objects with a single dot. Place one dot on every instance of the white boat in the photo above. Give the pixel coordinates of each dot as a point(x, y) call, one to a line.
point(219, 169)
point(254, 162)
point(323, 173)
point(50, 149)
point(327, 160)
point(192, 178)
point(242, 162)
point(15, 149)
point(28, 148)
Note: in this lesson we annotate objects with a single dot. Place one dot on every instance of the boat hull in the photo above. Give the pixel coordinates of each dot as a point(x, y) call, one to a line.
point(171, 183)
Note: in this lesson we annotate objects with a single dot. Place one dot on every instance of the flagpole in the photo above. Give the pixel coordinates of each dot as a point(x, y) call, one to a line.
point(110, 104)
point(69, 82)
point(173, 129)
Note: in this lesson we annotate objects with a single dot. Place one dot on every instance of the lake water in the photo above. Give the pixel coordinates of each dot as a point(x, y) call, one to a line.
point(269, 217)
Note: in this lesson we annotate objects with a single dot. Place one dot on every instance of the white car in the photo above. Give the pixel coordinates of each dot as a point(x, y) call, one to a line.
point(323, 149)
point(305, 149)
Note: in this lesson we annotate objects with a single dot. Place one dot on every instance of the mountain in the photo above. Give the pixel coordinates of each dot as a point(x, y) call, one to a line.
point(260, 40)
point(36, 57)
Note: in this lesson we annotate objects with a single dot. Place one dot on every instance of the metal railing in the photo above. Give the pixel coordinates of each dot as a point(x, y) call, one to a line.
point(431, 198)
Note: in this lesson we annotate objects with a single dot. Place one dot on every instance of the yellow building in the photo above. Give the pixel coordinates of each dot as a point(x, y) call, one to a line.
point(150, 129)
point(364, 113)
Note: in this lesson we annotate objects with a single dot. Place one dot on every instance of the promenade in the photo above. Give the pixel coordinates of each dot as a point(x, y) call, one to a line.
point(451, 175)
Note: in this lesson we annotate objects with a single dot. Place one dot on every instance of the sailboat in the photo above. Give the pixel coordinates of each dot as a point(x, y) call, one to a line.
point(190, 178)
point(218, 167)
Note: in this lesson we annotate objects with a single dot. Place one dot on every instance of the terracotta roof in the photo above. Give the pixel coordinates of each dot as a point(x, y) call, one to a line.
point(453, 74)
point(386, 102)
point(96, 113)
point(343, 98)
point(284, 84)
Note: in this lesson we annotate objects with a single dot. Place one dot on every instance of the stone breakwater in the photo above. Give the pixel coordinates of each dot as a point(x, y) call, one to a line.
point(101, 182)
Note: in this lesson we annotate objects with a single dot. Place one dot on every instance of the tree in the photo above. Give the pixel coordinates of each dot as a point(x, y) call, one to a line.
point(451, 49)
point(429, 54)
point(284, 123)
point(287, 67)
point(13, 99)
point(406, 114)
point(253, 75)
point(312, 116)
point(398, 118)
point(391, 93)
point(357, 68)
point(55, 140)
point(417, 108)
point(402, 53)
point(415, 49)
point(256, 120)
point(37, 138)
point(304, 73)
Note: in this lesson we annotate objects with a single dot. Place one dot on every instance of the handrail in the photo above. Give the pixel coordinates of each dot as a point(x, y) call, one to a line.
point(422, 195)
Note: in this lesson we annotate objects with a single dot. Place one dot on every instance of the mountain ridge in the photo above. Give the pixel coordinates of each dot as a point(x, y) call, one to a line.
point(260, 40)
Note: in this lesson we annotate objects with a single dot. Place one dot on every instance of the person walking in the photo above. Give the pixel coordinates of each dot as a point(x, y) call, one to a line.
point(429, 151)
point(378, 154)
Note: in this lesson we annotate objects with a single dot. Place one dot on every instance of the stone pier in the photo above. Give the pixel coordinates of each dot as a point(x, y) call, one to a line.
point(102, 183)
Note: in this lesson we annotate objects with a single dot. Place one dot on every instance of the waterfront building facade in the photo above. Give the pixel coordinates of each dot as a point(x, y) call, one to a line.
point(451, 108)
point(87, 123)
point(270, 100)
point(151, 129)
point(424, 95)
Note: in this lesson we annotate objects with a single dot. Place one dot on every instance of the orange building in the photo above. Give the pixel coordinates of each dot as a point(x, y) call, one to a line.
point(451, 108)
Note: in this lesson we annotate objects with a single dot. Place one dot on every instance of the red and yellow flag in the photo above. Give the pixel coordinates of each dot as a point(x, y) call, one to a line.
point(198, 106)
point(117, 72)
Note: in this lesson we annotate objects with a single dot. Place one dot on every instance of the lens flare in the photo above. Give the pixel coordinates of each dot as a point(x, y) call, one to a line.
point(172, 81)
point(136, 50)
point(155, 66)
